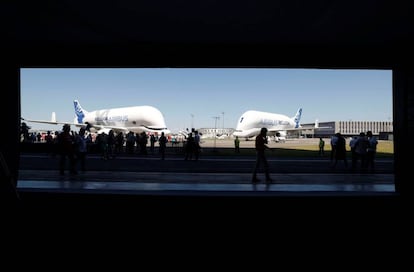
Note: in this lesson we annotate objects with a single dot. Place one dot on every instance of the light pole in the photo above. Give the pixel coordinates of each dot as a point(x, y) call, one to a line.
point(223, 120)
point(215, 130)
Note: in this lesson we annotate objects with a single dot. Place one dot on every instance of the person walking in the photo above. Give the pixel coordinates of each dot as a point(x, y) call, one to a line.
point(321, 147)
point(237, 144)
point(261, 146)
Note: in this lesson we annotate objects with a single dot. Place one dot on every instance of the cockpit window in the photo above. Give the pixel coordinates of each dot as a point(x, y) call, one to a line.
point(241, 119)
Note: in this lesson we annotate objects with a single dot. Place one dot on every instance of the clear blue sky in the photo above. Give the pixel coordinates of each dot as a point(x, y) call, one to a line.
point(326, 95)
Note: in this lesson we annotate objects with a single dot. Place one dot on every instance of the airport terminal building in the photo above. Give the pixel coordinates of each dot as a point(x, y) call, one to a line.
point(210, 132)
point(382, 129)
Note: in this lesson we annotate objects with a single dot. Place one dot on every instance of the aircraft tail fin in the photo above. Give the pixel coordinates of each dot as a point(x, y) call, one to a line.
point(297, 117)
point(53, 118)
point(79, 111)
point(316, 123)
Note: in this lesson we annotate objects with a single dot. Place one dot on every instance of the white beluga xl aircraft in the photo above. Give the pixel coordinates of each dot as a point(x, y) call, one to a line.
point(252, 121)
point(136, 119)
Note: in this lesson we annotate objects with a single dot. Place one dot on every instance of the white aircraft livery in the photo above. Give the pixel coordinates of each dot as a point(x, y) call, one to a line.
point(136, 119)
point(251, 122)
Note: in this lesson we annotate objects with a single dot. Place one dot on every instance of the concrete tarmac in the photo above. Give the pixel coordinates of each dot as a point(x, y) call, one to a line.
point(148, 174)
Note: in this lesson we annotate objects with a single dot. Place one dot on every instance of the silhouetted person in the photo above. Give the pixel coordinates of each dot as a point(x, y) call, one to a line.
point(24, 131)
point(321, 147)
point(143, 141)
point(111, 144)
point(102, 143)
point(237, 144)
point(66, 150)
point(49, 142)
point(81, 148)
point(55, 146)
point(152, 143)
point(334, 140)
point(197, 147)
point(119, 142)
point(340, 150)
point(130, 142)
point(261, 146)
point(354, 155)
point(371, 150)
point(162, 141)
point(361, 147)
point(189, 147)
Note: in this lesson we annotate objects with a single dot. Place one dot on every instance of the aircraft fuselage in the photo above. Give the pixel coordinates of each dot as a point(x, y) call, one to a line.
point(251, 122)
point(136, 119)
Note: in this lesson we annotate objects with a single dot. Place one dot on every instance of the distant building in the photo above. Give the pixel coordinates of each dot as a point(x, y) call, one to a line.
point(211, 132)
point(350, 128)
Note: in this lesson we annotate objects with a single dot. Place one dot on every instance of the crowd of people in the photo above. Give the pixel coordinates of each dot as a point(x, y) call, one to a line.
point(73, 147)
point(363, 151)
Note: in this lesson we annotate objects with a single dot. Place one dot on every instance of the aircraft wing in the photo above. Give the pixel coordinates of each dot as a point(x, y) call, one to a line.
point(301, 128)
point(270, 130)
point(106, 128)
point(57, 123)
point(40, 121)
point(310, 127)
point(282, 132)
point(51, 122)
point(152, 128)
point(102, 128)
